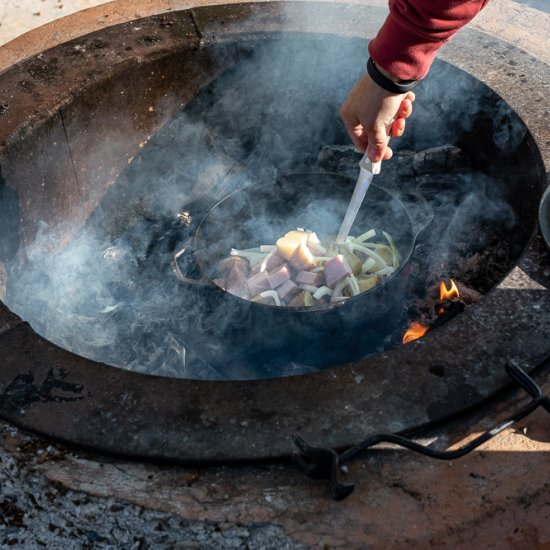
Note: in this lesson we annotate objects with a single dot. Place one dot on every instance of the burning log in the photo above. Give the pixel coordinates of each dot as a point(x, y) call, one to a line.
point(441, 304)
point(437, 159)
point(340, 159)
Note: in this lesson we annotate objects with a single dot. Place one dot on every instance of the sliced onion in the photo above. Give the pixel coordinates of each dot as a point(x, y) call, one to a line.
point(378, 259)
point(365, 236)
point(323, 291)
point(394, 251)
point(271, 294)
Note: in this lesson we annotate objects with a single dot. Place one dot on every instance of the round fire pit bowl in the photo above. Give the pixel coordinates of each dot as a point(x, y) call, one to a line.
point(76, 108)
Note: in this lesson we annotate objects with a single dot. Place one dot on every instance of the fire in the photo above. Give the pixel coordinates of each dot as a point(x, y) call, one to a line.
point(415, 331)
point(450, 293)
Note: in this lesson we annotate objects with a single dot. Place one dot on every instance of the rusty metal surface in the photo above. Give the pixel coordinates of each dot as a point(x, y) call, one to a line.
point(57, 393)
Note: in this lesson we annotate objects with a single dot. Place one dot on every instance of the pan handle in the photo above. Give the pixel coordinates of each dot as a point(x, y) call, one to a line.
point(185, 256)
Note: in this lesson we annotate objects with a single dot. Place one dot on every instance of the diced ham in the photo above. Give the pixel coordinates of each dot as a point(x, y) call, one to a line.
point(288, 290)
point(335, 270)
point(233, 263)
point(275, 260)
point(278, 276)
point(238, 285)
point(256, 268)
point(258, 283)
point(309, 278)
point(236, 281)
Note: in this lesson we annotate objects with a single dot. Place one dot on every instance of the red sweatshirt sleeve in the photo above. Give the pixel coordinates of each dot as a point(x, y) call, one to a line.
point(408, 41)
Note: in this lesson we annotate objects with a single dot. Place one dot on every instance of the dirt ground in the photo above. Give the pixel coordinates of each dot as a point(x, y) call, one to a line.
point(20, 16)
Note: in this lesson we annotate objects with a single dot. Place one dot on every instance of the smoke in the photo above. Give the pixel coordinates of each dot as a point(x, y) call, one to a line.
point(110, 294)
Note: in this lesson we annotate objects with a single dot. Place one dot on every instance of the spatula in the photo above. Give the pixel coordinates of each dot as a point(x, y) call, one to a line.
point(367, 171)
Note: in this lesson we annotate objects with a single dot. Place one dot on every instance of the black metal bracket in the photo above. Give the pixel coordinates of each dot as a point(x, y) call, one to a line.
point(325, 463)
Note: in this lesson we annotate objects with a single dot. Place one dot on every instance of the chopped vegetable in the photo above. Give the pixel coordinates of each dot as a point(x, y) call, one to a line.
point(367, 284)
point(309, 288)
point(368, 265)
point(379, 261)
point(253, 255)
point(314, 244)
point(395, 252)
point(289, 243)
point(302, 259)
point(323, 291)
point(299, 271)
point(271, 294)
point(365, 236)
point(304, 299)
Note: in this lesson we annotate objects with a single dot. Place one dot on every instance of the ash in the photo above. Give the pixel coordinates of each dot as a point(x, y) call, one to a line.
point(37, 513)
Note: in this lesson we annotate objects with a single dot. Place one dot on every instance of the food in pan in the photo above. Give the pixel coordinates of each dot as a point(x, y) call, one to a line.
point(299, 271)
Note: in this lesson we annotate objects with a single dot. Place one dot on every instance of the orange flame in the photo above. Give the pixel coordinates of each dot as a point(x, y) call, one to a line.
point(415, 331)
point(450, 293)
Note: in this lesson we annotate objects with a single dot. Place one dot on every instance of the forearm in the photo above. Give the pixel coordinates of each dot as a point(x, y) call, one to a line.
point(407, 43)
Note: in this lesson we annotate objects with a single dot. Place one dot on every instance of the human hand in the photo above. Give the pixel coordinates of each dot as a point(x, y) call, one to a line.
point(371, 115)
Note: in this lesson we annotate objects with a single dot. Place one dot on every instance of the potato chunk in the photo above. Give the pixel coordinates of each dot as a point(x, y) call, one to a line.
point(289, 243)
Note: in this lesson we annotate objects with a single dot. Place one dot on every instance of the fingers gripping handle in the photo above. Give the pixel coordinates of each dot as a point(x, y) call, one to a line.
point(366, 164)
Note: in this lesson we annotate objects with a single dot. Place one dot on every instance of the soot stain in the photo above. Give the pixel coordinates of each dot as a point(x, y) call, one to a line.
point(23, 390)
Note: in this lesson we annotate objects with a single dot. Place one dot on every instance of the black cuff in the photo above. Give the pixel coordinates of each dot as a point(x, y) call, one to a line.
point(386, 83)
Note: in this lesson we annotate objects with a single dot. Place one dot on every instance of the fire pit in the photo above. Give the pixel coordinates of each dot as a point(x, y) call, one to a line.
point(96, 142)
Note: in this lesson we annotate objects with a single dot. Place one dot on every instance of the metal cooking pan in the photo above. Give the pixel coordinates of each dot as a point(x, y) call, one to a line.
point(259, 214)
point(544, 217)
